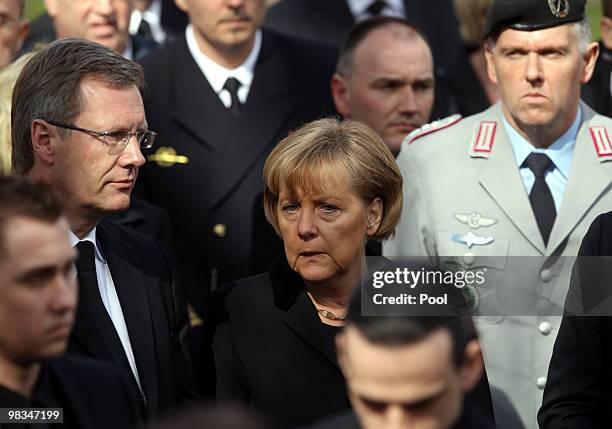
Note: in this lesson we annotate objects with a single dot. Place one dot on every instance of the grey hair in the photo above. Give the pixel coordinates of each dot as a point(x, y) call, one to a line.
point(582, 30)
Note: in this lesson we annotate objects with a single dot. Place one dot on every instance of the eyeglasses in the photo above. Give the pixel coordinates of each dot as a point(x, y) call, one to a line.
point(116, 140)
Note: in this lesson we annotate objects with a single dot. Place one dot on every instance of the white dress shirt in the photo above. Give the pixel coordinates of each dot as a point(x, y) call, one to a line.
point(108, 293)
point(216, 75)
point(393, 8)
point(152, 15)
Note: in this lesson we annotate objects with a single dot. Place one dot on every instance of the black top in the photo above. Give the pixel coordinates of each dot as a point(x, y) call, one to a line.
point(45, 395)
point(330, 333)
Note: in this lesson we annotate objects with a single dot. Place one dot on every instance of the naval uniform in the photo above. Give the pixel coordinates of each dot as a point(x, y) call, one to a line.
point(466, 198)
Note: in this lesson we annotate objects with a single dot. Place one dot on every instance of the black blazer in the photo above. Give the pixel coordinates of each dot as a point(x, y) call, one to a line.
point(578, 392)
point(156, 322)
point(209, 199)
point(270, 350)
point(327, 21)
point(93, 393)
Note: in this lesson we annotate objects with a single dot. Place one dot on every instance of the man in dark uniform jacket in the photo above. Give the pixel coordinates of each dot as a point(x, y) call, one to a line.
point(221, 97)
point(38, 303)
point(89, 152)
point(328, 21)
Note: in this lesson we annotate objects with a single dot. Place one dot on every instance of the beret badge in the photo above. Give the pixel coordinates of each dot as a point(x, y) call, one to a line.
point(559, 8)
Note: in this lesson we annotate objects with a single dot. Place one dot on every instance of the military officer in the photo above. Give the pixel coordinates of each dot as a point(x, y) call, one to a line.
point(512, 190)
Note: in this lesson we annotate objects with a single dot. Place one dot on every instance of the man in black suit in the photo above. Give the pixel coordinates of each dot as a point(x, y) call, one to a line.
point(221, 97)
point(78, 124)
point(38, 302)
point(578, 393)
point(327, 22)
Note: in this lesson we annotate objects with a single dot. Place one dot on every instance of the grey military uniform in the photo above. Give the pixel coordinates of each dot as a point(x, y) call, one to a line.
point(462, 180)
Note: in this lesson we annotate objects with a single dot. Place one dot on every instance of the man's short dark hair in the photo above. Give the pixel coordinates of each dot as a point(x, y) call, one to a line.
point(49, 88)
point(21, 197)
point(419, 322)
point(360, 31)
point(607, 8)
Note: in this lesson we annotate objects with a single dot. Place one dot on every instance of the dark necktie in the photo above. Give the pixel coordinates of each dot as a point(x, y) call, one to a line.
point(144, 29)
point(376, 7)
point(540, 197)
point(86, 273)
point(232, 84)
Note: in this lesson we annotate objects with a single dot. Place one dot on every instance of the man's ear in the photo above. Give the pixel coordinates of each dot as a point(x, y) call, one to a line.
point(24, 29)
point(472, 366)
point(374, 216)
point(341, 95)
point(52, 8)
point(182, 5)
point(590, 58)
point(491, 72)
point(43, 136)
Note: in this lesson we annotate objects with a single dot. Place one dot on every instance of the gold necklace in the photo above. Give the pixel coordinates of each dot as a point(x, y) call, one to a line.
point(329, 315)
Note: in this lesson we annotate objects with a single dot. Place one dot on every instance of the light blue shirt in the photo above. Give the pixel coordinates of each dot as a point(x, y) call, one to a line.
point(560, 153)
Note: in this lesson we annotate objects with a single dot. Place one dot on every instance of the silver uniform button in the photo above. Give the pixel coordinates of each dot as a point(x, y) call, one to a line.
point(469, 258)
point(541, 383)
point(545, 328)
point(545, 275)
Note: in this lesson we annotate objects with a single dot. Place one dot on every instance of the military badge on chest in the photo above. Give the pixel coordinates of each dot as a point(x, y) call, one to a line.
point(473, 220)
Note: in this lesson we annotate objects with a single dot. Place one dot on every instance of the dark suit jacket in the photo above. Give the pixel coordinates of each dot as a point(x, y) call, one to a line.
point(156, 323)
point(210, 198)
point(470, 419)
point(596, 92)
point(327, 21)
point(579, 388)
point(94, 393)
point(270, 350)
point(91, 394)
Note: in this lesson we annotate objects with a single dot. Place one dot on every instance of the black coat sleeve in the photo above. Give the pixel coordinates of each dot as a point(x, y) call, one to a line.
point(577, 373)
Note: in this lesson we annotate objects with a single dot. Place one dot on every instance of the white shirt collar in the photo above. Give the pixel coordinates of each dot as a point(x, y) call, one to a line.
point(393, 8)
point(216, 74)
point(91, 237)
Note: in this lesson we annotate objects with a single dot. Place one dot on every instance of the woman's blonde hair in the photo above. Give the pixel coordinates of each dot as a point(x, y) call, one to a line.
point(8, 77)
point(314, 157)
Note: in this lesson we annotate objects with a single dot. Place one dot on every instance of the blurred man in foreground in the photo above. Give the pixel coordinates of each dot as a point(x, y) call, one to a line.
point(38, 301)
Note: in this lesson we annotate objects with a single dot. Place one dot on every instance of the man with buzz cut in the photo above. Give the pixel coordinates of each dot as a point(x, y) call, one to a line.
point(513, 190)
point(38, 304)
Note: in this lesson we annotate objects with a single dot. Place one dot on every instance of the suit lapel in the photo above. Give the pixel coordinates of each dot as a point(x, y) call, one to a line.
point(502, 181)
point(132, 292)
point(196, 105)
point(578, 198)
point(300, 314)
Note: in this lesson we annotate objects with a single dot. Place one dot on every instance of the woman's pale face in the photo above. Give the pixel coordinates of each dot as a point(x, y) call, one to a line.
point(324, 234)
